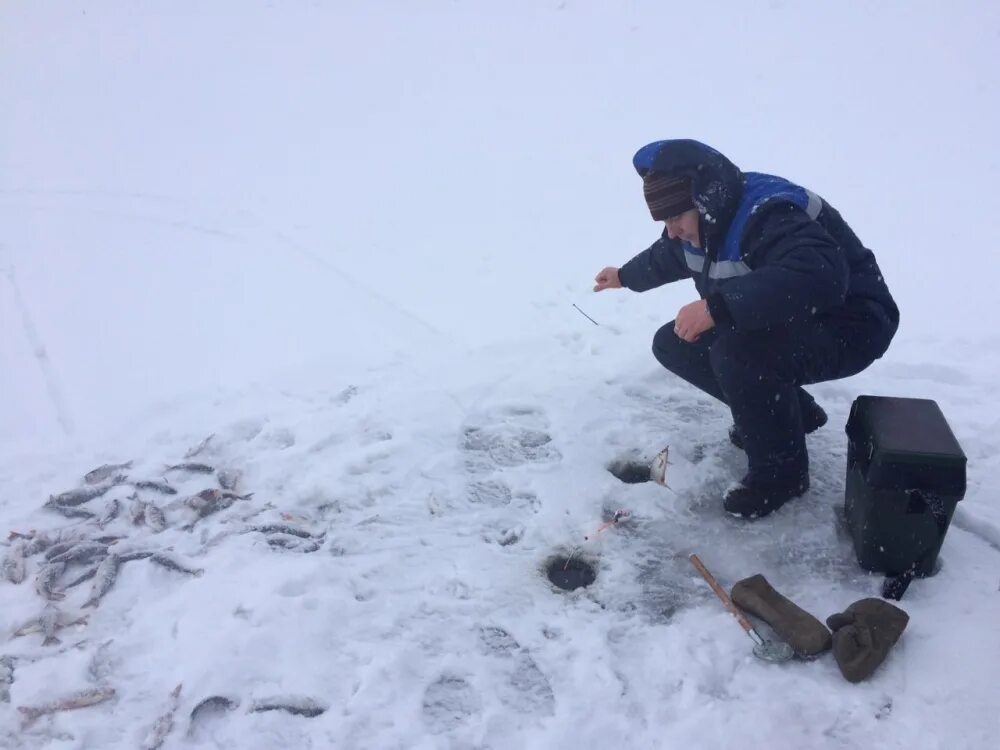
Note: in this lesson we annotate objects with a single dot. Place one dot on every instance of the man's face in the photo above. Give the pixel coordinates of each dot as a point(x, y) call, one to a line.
point(684, 227)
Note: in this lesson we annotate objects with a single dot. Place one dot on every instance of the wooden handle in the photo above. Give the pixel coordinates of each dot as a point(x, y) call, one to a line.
point(721, 593)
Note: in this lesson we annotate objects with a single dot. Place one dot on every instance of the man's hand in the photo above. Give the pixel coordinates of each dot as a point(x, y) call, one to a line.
point(607, 279)
point(693, 320)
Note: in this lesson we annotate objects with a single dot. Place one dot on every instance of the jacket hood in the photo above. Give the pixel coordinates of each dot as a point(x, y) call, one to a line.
point(716, 183)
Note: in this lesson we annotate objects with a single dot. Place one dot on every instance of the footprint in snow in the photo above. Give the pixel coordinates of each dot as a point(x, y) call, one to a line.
point(524, 687)
point(693, 409)
point(664, 575)
point(497, 494)
point(449, 702)
point(508, 437)
point(490, 492)
point(247, 429)
point(506, 536)
point(330, 441)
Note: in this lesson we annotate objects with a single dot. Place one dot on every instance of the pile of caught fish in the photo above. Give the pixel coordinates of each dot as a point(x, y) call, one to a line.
point(100, 540)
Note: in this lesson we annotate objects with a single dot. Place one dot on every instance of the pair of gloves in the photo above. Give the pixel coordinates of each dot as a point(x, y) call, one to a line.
point(862, 636)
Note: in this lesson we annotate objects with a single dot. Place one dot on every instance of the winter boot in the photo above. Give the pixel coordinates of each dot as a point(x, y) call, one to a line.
point(863, 635)
point(804, 633)
point(813, 417)
point(758, 499)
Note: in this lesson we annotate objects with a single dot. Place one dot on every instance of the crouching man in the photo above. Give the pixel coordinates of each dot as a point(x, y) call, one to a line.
point(789, 296)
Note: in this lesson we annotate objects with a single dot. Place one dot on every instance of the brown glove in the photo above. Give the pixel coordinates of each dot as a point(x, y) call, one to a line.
point(863, 635)
point(803, 632)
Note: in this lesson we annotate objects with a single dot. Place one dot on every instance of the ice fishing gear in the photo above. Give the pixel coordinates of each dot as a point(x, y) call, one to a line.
point(906, 472)
point(585, 315)
point(804, 633)
point(618, 517)
point(569, 573)
point(766, 650)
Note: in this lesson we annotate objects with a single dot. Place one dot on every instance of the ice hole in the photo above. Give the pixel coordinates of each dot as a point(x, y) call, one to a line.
point(631, 472)
point(570, 573)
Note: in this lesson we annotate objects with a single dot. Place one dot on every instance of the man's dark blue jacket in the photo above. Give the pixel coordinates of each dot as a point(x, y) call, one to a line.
point(777, 254)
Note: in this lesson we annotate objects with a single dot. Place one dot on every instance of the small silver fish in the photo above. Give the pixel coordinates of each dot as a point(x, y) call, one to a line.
point(86, 576)
point(203, 499)
point(281, 541)
point(73, 540)
point(193, 468)
point(207, 502)
point(162, 487)
point(46, 580)
point(110, 513)
point(104, 579)
point(125, 557)
point(658, 467)
point(48, 623)
point(155, 518)
point(229, 478)
point(82, 699)
point(103, 472)
point(200, 447)
point(280, 528)
point(136, 510)
point(293, 704)
point(107, 539)
point(59, 547)
point(81, 554)
point(162, 727)
point(69, 511)
point(6, 677)
point(37, 542)
point(83, 495)
point(170, 564)
point(13, 564)
point(214, 495)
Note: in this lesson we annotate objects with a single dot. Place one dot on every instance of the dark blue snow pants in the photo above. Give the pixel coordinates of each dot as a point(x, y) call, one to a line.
point(760, 375)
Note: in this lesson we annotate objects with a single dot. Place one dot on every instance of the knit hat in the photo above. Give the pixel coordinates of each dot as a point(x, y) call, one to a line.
point(666, 196)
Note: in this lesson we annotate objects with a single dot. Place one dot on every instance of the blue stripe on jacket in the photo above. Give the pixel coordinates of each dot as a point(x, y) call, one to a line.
point(759, 190)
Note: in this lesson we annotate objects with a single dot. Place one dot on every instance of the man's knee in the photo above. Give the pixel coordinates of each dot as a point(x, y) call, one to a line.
point(739, 357)
point(728, 353)
point(666, 347)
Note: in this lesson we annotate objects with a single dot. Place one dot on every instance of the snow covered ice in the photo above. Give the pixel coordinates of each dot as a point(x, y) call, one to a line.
point(345, 242)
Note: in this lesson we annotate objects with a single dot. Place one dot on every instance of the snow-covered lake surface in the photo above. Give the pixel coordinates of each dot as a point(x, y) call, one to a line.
point(345, 240)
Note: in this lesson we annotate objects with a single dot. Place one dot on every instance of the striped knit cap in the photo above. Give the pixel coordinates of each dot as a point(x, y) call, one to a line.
point(666, 196)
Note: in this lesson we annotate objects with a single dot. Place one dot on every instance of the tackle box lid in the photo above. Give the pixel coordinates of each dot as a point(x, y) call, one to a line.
point(904, 430)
